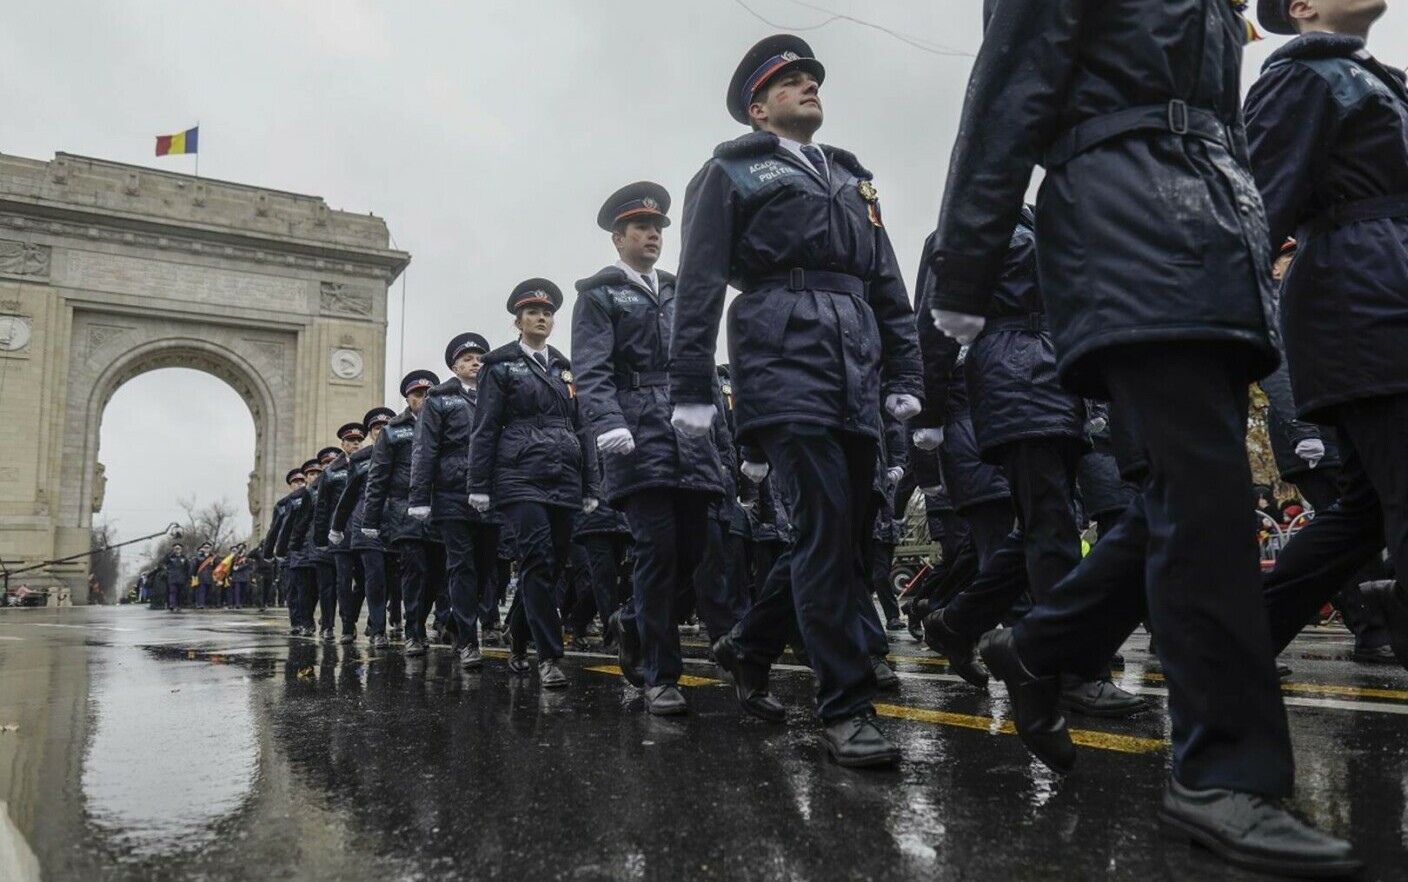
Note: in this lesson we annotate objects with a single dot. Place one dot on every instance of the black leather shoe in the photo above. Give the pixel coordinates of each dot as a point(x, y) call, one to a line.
point(665, 700)
point(955, 647)
point(1099, 698)
point(414, 647)
point(916, 628)
point(469, 657)
point(885, 679)
point(347, 637)
point(750, 682)
point(518, 663)
point(894, 625)
point(1387, 597)
point(1036, 710)
point(1253, 832)
point(550, 675)
point(379, 642)
point(1375, 655)
point(628, 651)
point(857, 742)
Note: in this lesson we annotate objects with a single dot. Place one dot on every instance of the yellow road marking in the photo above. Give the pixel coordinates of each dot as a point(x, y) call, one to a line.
point(685, 679)
point(1082, 737)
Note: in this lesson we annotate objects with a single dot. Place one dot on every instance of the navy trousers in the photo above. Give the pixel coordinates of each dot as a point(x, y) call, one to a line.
point(351, 588)
point(422, 566)
point(374, 578)
point(542, 535)
point(471, 561)
point(669, 528)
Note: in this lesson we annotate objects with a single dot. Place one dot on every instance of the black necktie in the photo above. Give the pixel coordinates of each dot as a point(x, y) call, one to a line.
point(541, 359)
point(649, 283)
point(818, 161)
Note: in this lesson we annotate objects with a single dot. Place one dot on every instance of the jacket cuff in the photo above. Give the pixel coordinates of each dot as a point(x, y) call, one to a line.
point(607, 422)
point(692, 381)
point(963, 282)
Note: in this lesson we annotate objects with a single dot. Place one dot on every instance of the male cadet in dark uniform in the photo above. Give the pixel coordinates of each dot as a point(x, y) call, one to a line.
point(1328, 128)
point(531, 458)
point(439, 476)
point(661, 478)
point(346, 526)
point(282, 510)
point(388, 490)
point(203, 568)
point(178, 574)
point(324, 572)
point(1154, 265)
point(302, 575)
point(241, 575)
point(822, 333)
point(348, 580)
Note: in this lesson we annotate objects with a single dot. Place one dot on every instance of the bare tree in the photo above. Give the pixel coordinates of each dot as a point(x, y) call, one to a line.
point(213, 523)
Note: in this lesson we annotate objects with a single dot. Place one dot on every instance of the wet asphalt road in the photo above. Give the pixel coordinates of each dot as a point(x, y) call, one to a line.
point(148, 746)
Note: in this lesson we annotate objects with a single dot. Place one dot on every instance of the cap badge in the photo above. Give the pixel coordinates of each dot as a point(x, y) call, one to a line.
point(790, 56)
point(650, 203)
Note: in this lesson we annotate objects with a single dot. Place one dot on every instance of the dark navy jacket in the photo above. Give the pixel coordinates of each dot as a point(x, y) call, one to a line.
point(276, 524)
point(347, 515)
point(605, 520)
point(803, 347)
point(530, 441)
point(440, 462)
point(178, 570)
point(1284, 431)
point(1102, 488)
point(293, 533)
point(621, 352)
point(330, 488)
point(388, 484)
point(1328, 126)
point(1013, 391)
point(1147, 236)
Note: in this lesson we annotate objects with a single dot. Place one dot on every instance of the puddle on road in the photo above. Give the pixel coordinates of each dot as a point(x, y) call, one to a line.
point(174, 751)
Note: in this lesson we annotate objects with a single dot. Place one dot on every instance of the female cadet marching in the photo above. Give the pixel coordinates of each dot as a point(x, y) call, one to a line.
point(530, 459)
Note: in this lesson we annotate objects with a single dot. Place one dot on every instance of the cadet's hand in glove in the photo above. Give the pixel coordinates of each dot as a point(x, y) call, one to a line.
point(693, 419)
point(419, 512)
point(1096, 425)
point(1312, 450)
point(903, 407)
point(754, 471)
point(928, 439)
point(960, 326)
point(616, 441)
point(893, 474)
point(589, 504)
point(370, 534)
point(479, 502)
point(335, 537)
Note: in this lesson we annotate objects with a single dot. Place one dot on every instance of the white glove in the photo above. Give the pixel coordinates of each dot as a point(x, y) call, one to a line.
point(616, 441)
point(903, 407)
point(1312, 450)
point(693, 419)
point(335, 537)
point(419, 512)
point(370, 534)
point(893, 474)
point(960, 326)
point(589, 504)
point(928, 439)
point(1096, 425)
point(754, 471)
point(932, 491)
point(479, 502)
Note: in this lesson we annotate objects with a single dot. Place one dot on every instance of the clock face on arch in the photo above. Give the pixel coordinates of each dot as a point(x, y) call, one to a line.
point(14, 333)
point(346, 364)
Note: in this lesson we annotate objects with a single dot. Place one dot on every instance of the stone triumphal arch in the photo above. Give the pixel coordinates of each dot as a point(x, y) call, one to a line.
point(110, 270)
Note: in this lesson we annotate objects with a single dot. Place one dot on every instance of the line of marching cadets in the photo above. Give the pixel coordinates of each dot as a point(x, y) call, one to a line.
point(1117, 351)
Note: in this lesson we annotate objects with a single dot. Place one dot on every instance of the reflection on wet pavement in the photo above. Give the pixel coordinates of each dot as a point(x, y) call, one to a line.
point(210, 746)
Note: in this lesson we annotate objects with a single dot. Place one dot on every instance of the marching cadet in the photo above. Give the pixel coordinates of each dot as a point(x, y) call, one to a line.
point(324, 571)
point(530, 459)
point(346, 525)
point(1026, 423)
point(268, 550)
point(662, 479)
point(203, 571)
point(1327, 123)
point(439, 476)
point(302, 572)
point(384, 510)
point(797, 228)
point(178, 574)
point(1154, 266)
point(241, 577)
point(349, 582)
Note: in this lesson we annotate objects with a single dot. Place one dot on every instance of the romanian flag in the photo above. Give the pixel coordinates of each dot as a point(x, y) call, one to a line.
point(181, 142)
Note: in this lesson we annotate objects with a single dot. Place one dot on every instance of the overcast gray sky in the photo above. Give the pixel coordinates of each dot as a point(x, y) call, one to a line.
point(485, 133)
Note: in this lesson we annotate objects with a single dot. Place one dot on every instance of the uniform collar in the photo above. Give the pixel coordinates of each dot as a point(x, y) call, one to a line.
point(638, 278)
point(530, 351)
point(795, 148)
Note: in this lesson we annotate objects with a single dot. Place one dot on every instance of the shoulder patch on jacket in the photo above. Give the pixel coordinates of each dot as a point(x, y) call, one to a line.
point(1349, 82)
point(751, 144)
point(506, 352)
